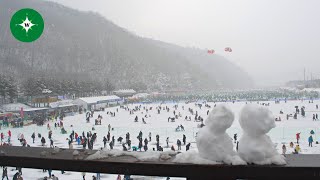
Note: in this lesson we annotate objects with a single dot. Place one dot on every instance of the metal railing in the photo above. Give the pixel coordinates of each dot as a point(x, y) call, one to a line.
point(298, 167)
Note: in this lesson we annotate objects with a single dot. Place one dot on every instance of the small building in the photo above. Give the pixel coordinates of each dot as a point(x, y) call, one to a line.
point(138, 97)
point(123, 93)
point(32, 113)
point(43, 101)
point(95, 103)
point(65, 107)
point(14, 107)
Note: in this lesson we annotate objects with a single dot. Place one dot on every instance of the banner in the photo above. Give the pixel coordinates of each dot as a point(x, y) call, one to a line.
point(21, 113)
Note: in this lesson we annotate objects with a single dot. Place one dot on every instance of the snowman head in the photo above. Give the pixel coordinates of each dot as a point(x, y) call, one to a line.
point(256, 120)
point(219, 119)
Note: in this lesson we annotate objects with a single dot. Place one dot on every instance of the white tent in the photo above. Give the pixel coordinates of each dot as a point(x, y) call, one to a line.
point(96, 102)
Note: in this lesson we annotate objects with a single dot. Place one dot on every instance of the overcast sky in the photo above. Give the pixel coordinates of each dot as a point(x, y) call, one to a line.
point(273, 40)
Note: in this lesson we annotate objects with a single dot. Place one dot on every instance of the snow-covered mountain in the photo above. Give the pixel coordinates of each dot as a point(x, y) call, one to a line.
point(83, 45)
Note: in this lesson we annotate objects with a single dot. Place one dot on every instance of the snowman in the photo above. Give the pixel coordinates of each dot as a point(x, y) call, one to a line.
point(212, 140)
point(255, 146)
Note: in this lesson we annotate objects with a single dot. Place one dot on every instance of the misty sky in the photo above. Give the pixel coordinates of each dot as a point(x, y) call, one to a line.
point(272, 40)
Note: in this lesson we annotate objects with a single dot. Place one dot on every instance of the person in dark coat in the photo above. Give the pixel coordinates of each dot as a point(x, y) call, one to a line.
point(43, 141)
point(179, 144)
point(184, 139)
point(111, 145)
point(16, 175)
point(145, 147)
point(188, 146)
point(108, 136)
point(113, 140)
point(146, 141)
point(33, 136)
point(104, 141)
point(5, 173)
point(124, 148)
point(140, 145)
point(120, 140)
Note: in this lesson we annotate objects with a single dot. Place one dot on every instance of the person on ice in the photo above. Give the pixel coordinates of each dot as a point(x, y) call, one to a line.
point(146, 142)
point(310, 140)
point(235, 137)
point(145, 147)
point(83, 175)
point(140, 144)
point(284, 149)
point(15, 177)
point(51, 143)
point(119, 177)
point(298, 137)
point(111, 145)
point(179, 144)
point(43, 141)
point(78, 140)
point(188, 146)
point(104, 141)
point(5, 173)
point(291, 144)
point(297, 149)
point(54, 177)
point(124, 148)
point(172, 148)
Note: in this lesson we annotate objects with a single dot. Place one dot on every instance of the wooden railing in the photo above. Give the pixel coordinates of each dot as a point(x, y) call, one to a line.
point(302, 167)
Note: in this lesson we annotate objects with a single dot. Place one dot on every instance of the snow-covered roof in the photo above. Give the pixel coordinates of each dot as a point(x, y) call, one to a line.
point(14, 107)
point(64, 103)
point(312, 89)
point(34, 109)
point(125, 91)
point(100, 99)
point(141, 95)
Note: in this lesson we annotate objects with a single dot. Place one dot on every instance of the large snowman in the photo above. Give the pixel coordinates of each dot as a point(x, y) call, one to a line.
point(212, 140)
point(255, 146)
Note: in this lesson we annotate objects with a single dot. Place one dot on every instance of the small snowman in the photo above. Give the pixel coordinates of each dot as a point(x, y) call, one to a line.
point(255, 146)
point(212, 140)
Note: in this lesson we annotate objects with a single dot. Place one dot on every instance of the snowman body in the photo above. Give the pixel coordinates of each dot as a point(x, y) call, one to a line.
point(255, 146)
point(213, 142)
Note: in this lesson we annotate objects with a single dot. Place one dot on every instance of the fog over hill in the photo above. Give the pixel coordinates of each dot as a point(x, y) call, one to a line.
point(79, 45)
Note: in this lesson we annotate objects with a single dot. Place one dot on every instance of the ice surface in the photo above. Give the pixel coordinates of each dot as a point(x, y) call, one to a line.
point(123, 122)
point(213, 142)
point(254, 145)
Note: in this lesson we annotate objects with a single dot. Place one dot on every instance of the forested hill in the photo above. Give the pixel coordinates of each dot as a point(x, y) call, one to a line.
point(82, 46)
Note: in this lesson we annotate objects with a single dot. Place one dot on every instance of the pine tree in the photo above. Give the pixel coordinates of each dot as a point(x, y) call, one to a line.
point(3, 87)
point(12, 89)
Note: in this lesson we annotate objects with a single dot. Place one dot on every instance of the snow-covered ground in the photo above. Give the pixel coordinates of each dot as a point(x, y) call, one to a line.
point(123, 122)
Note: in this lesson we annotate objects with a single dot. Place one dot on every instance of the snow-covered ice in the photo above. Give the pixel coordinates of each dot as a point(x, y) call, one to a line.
point(123, 122)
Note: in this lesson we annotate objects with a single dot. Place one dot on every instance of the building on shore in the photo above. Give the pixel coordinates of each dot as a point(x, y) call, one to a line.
point(98, 102)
